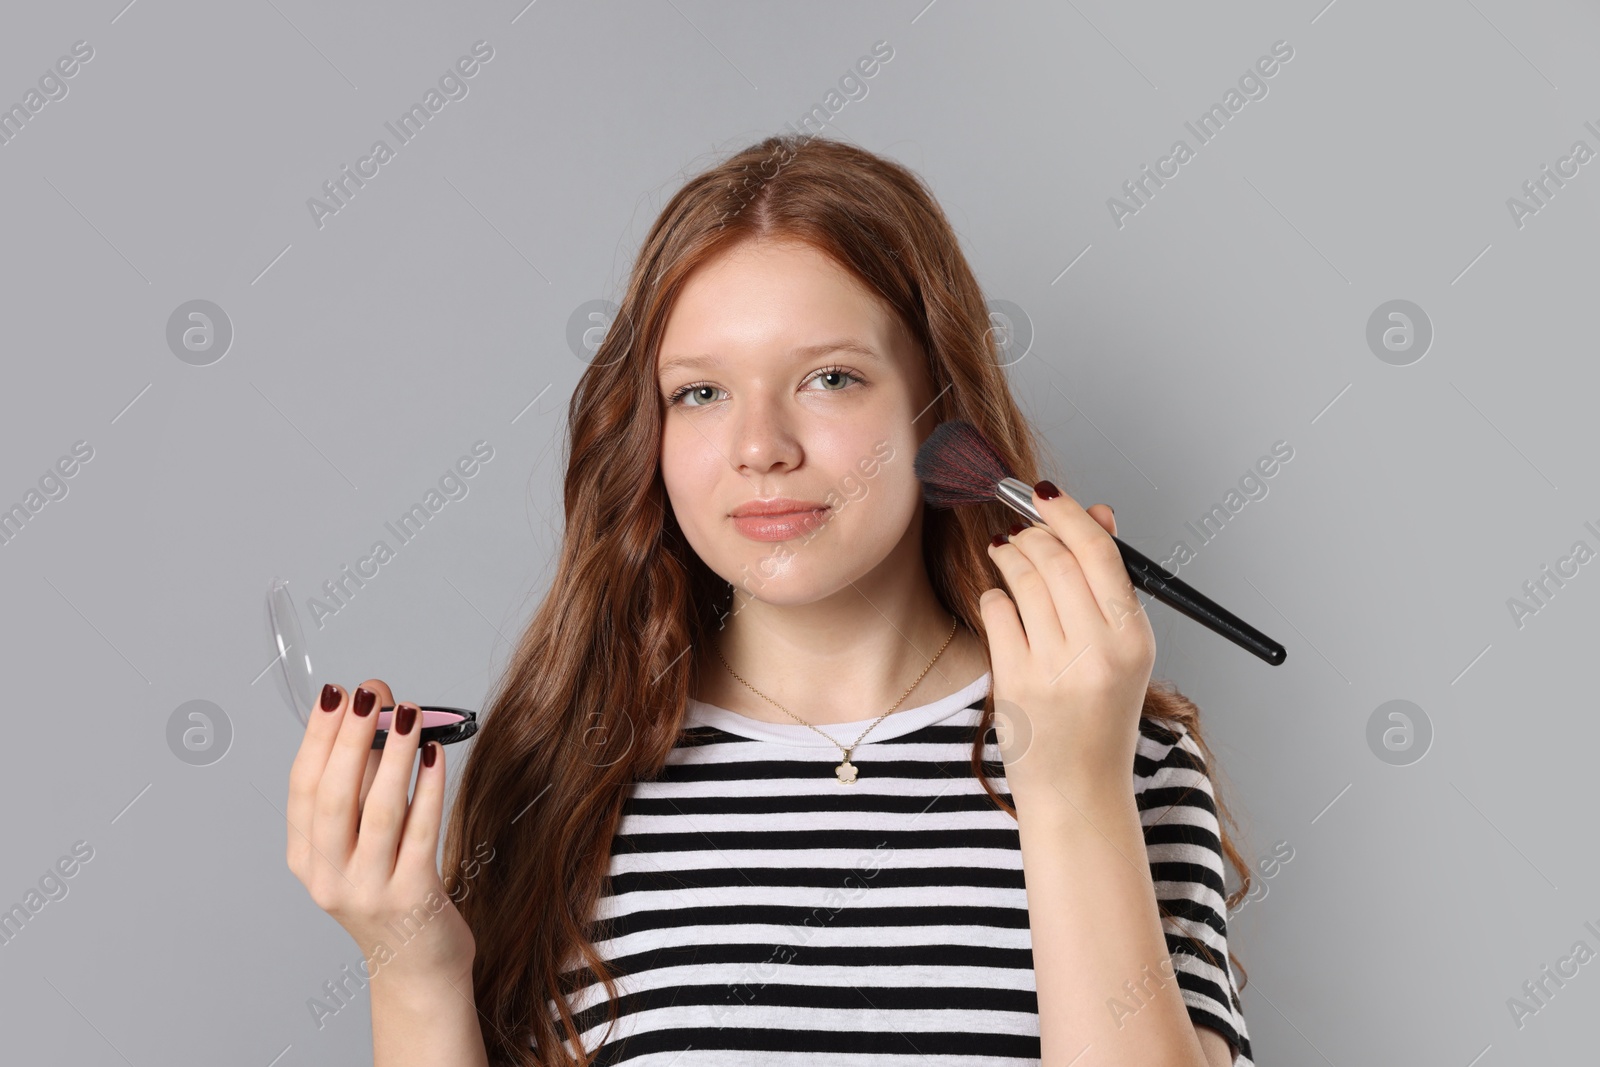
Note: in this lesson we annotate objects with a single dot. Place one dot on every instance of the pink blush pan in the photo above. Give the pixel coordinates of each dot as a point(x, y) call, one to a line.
point(444, 725)
point(429, 718)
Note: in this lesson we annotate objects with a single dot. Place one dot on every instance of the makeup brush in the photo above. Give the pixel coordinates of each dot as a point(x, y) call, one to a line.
point(957, 465)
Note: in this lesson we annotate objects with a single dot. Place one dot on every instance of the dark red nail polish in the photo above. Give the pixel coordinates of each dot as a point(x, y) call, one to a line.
point(1016, 528)
point(1047, 490)
point(330, 696)
point(998, 539)
point(405, 717)
point(362, 704)
point(429, 752)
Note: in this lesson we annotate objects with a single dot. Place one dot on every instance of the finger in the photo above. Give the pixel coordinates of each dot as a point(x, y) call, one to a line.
point(321, 729)
point(374, 758)
point(1032, 596)
point(1074, 601)
point(383, 815)
point(1003, 628)
point(419, 842)
point(1088, 541)
point(1133, 604)
point(333, 833)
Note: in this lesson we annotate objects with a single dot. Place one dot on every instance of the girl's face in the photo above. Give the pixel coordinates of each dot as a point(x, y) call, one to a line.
point(805, 386)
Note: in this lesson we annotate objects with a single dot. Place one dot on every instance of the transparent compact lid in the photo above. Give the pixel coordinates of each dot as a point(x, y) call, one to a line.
point(442, 724)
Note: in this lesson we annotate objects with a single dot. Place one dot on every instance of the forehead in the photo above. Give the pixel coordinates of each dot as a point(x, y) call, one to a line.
point(774, 296)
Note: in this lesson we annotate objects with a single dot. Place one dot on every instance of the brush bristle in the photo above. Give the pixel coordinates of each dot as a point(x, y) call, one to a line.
point(957, 465)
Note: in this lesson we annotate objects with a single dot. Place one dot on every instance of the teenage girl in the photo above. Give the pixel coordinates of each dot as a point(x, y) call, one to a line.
point(789, 768)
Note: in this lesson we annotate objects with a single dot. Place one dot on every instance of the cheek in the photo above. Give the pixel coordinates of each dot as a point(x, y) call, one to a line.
point(691, 469)
point(867, 481)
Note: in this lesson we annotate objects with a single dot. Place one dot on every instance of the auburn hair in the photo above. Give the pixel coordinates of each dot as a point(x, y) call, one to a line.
point(593, 697)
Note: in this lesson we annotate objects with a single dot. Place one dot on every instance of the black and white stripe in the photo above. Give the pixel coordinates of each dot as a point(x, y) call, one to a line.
point(759, 912)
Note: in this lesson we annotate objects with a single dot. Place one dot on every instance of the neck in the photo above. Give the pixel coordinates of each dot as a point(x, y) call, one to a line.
point(845, 658)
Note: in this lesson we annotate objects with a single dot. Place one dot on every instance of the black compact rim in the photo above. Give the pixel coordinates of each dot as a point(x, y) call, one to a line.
point(447, 734)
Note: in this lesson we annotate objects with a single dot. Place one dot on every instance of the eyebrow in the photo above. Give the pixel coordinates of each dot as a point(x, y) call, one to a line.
point(840, 344)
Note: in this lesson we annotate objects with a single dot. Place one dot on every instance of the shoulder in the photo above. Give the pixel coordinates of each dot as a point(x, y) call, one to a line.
point(1166, 744)
point(1169, 768)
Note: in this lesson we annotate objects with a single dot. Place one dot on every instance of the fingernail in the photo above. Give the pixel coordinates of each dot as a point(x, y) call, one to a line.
point(1016, 528)
point(362, 705)
point(998, 539)
point(405, 717)
point(1113, 510)
point(429, 751)
point(1047, 490)
point(330, 696)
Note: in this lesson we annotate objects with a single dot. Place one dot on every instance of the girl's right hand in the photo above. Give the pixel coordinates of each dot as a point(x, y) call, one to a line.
point(366, 855)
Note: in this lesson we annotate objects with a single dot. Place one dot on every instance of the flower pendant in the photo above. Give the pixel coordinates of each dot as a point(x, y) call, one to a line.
point(846, 772)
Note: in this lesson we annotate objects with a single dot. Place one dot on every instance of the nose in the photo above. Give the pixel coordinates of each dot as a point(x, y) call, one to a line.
point(763, 437)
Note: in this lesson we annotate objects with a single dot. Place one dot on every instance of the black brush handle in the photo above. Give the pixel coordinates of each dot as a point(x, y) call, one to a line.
point(1148, 575)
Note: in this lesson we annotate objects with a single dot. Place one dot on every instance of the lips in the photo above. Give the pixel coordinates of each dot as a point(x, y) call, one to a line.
point(778, 520)
point(781, 505)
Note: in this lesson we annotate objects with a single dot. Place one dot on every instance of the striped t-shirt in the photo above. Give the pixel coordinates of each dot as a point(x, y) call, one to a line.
point(762, 913)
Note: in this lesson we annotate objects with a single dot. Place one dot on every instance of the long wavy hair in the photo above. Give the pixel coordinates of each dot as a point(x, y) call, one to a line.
point(594, 695)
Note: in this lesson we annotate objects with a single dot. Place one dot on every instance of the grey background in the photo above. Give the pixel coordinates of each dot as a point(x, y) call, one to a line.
point(433, 311)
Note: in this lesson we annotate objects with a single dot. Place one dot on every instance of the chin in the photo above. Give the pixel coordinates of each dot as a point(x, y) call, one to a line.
point(789, 582)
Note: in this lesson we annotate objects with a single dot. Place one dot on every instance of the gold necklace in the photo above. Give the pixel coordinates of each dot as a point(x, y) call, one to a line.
point(846, 771)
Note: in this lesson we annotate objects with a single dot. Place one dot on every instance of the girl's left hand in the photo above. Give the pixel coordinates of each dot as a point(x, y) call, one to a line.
point(1070, 673)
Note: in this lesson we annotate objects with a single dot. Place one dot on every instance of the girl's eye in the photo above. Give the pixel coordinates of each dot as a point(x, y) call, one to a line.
point(836, 372)
point(685, 391)
point(695, 390)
